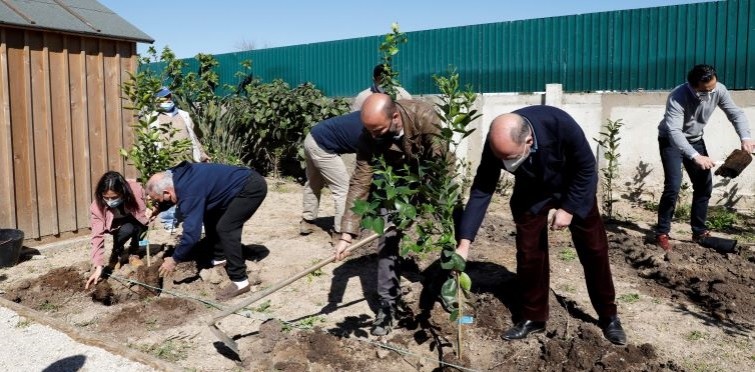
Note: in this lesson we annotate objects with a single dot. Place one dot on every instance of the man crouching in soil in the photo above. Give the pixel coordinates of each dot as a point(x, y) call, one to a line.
point(223, 197)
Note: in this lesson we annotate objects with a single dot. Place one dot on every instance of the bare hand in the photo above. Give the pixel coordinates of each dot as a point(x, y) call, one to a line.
point(340, 249)
point(169, 264)
point(704, 162)
point(95, 277)
point(561, 220)
point(462, 249)
point(748, 145)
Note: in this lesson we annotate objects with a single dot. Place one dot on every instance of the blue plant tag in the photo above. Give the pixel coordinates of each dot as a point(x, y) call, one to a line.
point(466, 319)
point(143, 242)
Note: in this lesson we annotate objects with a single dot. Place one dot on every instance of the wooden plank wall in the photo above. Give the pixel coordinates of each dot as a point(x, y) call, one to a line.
point(62, 123)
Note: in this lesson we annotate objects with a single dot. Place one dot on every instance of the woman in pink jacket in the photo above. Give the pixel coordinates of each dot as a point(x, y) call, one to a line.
point(118, 209)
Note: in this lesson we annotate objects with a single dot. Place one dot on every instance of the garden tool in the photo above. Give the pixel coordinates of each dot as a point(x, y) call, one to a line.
point(734, 164)
point(228, 341)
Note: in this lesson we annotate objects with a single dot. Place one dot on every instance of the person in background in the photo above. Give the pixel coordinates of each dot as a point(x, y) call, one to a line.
point(323, 147)
point(554, 169)
point(168, 113)
point(377, 80)
point(680, 139)
point(223, 197)
point(118, 209)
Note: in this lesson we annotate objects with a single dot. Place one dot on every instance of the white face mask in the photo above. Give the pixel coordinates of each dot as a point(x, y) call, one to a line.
point(511, 165)
point(705, 96)
point(167, 106)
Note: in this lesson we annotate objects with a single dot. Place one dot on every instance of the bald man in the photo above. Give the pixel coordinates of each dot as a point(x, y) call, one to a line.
point(223, 197)
point(554, 168)
point(402, 132)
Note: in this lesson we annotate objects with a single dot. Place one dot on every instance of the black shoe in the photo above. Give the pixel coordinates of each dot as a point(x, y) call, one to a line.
point(383, 323)
point(612, 330)
point(522, 329)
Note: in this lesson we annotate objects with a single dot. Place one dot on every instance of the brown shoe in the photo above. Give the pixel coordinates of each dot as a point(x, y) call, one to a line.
point(698, 238)
point(230, 291)
point(662, 241)
point(306, 227)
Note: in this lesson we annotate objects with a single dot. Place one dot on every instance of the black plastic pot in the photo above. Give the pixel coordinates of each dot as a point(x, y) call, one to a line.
point(721, 245)
point(11, 241)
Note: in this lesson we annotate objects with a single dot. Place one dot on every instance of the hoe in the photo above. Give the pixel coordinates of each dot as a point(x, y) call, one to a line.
point(228, 341)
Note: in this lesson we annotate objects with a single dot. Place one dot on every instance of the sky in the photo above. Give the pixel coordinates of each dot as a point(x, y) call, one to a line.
point(189, 27)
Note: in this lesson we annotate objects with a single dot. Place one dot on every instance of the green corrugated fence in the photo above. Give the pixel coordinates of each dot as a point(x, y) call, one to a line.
point(651, 49)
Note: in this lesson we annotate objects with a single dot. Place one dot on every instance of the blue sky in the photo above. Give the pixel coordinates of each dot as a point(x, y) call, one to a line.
point(221, 26)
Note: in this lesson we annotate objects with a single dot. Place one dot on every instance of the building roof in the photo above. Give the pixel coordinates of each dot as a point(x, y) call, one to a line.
point(86, 17)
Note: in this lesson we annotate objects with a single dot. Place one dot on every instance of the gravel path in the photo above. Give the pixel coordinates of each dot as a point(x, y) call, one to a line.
point(28, 346)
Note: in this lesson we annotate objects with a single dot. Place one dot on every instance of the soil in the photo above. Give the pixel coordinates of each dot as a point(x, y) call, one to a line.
point(691, 309)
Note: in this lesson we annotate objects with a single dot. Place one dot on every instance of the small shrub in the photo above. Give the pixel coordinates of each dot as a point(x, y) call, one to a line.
point(609, 142)
point(567, 255)
point(721, 219)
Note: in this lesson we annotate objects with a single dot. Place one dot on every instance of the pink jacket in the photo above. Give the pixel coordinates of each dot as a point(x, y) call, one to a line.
point(101, 222)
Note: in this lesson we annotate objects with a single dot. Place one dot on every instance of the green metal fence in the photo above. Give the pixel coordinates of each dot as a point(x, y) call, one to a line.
point(651, 48)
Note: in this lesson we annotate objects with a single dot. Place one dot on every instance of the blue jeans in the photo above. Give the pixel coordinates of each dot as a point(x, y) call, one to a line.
point(702, 186)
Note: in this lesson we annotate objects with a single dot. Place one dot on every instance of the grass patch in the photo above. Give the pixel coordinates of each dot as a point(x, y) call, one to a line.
point(48, 306)
point(263, 307)
point(568, 288)
point(317, 273)
point(567, 255)
point(629, 298)
point(169, 350)
point(23, 323)
point(306, 323)
point(696, 336)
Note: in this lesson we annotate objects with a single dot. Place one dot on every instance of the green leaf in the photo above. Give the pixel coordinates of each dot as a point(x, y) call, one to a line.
point(465, 282)
point(454, 315)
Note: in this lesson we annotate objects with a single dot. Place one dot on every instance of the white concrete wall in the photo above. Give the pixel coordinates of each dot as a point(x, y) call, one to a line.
point(640, 112)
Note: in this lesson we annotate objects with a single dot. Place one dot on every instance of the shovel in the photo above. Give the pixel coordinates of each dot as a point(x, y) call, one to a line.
point(228, 341)
point(734, 164)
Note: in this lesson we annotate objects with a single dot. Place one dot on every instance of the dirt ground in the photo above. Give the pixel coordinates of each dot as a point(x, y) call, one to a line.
point(691, 310)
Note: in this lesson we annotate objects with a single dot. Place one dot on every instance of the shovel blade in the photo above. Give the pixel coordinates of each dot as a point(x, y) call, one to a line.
point(225, 339)
point(734, 164)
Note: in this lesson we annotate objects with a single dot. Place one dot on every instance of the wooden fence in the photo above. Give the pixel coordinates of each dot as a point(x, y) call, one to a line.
point(62, 123)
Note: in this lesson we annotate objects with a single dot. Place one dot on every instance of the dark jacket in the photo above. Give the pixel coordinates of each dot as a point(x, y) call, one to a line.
point(340, 134)
point(200, 188)
point(561, 171)
point(421, 126)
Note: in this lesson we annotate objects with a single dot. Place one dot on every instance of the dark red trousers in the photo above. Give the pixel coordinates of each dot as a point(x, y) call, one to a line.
point(533, 265)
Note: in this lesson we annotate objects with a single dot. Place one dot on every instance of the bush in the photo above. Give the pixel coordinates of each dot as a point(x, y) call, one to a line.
point(256, 123)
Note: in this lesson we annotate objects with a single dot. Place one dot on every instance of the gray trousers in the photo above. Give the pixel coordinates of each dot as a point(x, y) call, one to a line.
point(324, 168)
point(388, 288)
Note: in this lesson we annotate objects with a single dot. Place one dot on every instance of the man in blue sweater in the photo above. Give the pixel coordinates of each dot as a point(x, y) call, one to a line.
point(680, 139)
point(223, 197)
point(323, 147)
point(554, 168)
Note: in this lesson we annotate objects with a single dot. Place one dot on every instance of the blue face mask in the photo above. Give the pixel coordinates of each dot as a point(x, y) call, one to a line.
point(114, 203)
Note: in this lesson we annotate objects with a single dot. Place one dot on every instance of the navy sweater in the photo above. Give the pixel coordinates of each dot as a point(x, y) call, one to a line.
point(200, 188)
point(562, 171)
point(339, 135)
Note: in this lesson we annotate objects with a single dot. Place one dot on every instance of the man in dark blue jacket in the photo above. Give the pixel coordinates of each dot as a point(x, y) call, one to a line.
point(223, 197)
point(554, 168)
